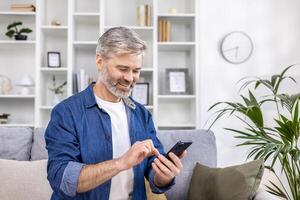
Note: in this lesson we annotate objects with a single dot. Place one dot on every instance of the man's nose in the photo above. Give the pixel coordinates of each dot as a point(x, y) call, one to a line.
point(129, 77)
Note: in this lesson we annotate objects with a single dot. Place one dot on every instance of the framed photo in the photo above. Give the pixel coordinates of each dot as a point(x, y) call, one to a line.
point(140, 93)
point(53, 59)
point(177, 80)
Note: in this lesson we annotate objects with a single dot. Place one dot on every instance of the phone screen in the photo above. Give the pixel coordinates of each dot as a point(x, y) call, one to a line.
point(179, 148)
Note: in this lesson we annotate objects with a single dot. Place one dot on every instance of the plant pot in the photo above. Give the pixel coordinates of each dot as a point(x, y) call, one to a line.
point(20, 37)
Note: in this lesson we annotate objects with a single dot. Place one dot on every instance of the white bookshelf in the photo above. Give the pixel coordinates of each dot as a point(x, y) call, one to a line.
point(16, 96)
point(82, 23)
point(17, 125)
point(17, 13)
point(13, 42)
point(86, 14)
point(51, 27)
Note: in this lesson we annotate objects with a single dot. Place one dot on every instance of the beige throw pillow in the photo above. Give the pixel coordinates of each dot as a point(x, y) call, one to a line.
point(24, 180)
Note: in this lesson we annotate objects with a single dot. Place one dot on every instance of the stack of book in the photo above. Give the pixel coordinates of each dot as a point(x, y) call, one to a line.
point(81, 80)
point(164, 27)
point(144, 15)
point(22, 7)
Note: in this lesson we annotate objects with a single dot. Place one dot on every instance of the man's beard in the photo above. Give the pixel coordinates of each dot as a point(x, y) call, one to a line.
point(112, 87)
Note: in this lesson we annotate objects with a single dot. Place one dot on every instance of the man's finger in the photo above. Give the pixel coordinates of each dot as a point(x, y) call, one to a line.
point(175, 160)
point(183, 154)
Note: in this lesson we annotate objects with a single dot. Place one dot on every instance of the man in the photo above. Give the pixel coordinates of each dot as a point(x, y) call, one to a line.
point(101, 143)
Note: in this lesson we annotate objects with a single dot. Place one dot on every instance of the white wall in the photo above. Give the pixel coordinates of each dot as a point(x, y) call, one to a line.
point(273, 26)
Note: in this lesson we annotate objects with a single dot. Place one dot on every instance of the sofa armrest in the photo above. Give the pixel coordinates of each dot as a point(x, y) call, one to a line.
point(261, 194)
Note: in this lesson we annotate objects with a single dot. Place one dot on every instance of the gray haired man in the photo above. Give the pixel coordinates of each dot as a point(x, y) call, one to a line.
point(101, 143)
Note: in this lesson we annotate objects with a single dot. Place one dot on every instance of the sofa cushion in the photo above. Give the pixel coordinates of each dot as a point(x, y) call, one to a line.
point(202, 150)
point(24, 180)
point(38, 150)
point(15, 143)
point(238, 182)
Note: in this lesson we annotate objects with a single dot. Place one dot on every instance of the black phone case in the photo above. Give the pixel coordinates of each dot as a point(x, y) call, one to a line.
point(179, 148)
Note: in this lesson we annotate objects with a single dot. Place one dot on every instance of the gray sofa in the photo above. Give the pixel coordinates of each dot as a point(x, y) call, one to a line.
point(23, 153)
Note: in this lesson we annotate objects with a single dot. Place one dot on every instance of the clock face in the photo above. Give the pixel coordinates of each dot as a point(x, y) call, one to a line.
point(236, 47)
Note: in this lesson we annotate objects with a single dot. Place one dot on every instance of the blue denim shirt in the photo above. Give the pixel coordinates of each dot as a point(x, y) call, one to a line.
point(79, 133)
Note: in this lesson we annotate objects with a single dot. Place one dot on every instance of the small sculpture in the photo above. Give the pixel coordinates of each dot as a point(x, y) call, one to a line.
point(5, 85)
point(55, 22)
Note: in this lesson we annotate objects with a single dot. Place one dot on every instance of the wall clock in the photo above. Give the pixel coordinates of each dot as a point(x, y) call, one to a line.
point(236, 47)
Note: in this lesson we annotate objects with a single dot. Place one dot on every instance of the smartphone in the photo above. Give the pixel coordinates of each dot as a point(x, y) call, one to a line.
point(178, 148)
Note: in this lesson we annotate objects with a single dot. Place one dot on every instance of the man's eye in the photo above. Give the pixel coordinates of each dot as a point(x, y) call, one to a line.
point(136, 71)
point(123, 69)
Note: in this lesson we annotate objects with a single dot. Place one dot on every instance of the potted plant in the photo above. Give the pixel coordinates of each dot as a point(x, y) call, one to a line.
point(4, 118)
point(58, 90)
point(12, 30)
point(278, 143)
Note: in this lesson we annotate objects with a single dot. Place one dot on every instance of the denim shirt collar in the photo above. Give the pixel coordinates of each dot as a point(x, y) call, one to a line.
point(90, 99)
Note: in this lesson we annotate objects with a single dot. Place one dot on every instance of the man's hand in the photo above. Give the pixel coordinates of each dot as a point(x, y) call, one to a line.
point(165, 170)
point(137, 153)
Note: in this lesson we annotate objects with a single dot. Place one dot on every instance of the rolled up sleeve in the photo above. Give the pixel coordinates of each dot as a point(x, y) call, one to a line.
point(151, 173)
point(63, 153)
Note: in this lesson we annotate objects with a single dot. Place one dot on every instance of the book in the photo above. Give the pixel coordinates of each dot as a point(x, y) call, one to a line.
point(147, 15)
point(160, 30)
point(141, 15)
point(144, 15)
point(168, 31)
point(164, 30)
point(22, 7)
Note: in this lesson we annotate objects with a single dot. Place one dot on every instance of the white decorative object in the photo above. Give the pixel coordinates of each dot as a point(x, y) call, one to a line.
point(5, 85)
point(25, 83)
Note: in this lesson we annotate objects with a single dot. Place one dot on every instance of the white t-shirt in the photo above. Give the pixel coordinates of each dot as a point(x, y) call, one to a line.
point(122, 183)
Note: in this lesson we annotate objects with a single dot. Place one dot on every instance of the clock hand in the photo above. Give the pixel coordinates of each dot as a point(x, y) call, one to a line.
point(236, 52)
point(234, 48)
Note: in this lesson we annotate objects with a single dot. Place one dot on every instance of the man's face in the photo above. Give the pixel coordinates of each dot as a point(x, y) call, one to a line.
point(119, 73)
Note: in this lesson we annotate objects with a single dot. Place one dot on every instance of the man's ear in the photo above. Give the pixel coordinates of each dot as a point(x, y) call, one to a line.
point(99, 61)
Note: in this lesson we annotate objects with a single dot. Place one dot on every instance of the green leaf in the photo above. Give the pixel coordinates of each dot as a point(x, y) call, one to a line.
point(10, 33)
point(14, 24)
point(275, 190)
point(25, 30)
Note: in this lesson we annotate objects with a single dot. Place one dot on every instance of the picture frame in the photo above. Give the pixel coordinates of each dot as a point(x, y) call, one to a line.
point(140, 93)
point(53, 59)
point(177, 80)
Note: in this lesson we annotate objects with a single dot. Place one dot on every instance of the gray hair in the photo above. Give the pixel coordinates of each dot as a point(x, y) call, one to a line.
point(120, 40)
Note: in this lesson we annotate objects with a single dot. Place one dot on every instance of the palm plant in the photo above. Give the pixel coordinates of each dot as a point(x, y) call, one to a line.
point(278, 143)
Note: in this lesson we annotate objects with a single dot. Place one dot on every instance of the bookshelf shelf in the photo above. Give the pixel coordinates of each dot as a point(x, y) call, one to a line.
point(16, 96)
point(49, 27)
point(46, 107)
point(177, 15)
point(177, 126)
point(30, 42)
point(150, 28)
point(54, 70)
point(176, 46)
point(17, 13)
point(176, 96)
point(16, 125)
point(84, 43)
point(86, 14)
